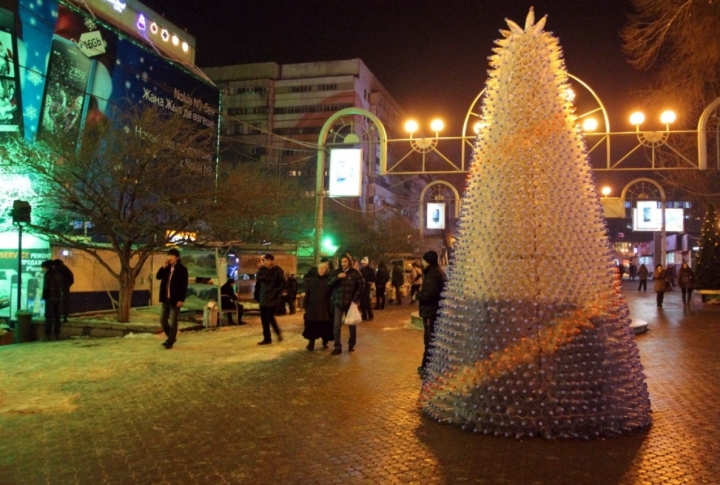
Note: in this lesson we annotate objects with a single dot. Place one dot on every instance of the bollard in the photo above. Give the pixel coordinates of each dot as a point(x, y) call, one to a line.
point(23, 327)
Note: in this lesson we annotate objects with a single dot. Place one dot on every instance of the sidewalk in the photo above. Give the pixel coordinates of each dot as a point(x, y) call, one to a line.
point(217, 408)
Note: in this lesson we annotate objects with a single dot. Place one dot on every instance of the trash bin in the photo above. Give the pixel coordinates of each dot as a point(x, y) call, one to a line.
point(210, 315)
point(23, 327)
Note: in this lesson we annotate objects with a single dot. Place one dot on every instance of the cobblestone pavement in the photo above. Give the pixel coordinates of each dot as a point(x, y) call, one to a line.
point(218, 409)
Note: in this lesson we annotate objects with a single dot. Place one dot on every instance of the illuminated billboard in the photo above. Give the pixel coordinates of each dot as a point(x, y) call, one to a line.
point(345, 172)
point(76, 70)
point(648, 217)
point(435, 215)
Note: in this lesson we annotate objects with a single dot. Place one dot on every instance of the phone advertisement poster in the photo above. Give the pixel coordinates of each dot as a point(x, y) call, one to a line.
point(77, 71)
point(435, 215)
point(345, 172)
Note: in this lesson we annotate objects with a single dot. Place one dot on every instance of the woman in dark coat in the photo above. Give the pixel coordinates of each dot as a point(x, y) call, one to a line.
point(381, 280)
point(318, 319)
point(686, 280)
point(429, 300)
point(398, 280)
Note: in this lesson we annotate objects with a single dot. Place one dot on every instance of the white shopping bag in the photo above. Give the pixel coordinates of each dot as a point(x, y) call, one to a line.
point(352, 317)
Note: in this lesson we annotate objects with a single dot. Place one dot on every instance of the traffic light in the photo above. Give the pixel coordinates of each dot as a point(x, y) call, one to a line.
point(21, 212)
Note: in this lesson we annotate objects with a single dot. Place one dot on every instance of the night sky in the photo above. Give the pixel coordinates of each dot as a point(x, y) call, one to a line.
point(431, 55)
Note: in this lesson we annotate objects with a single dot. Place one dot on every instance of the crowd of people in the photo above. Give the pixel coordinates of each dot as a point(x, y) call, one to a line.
point(328, 297)
point(664, 279)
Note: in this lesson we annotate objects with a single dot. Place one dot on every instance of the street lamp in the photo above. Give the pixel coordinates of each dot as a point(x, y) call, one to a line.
point(606, 191)
point(590, 124)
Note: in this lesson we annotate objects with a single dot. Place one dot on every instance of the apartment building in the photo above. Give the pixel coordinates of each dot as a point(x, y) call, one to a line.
point(273, 114)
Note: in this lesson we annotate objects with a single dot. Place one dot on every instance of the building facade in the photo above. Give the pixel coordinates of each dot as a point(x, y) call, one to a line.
point(273, 114)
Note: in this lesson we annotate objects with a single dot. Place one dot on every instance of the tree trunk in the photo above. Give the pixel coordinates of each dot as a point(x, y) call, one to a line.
point(127, 285)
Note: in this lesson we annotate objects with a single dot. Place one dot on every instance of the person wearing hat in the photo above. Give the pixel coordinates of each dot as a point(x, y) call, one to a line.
point(173, 278)
point(428, 299)
point(52, 293)
point(368, 275)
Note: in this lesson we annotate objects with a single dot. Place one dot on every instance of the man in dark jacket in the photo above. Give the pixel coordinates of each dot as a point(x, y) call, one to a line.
point(229, 301)
point(271, 279)
point(173, 278)
point(429, 300)
point(368, 275)
point(398, 280)
point(347, 284)
point(381, 280)
point(52, 294)
point(68, 280)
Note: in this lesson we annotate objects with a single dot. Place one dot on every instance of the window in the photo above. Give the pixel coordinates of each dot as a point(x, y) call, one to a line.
point(327, 87)
point(300, 89)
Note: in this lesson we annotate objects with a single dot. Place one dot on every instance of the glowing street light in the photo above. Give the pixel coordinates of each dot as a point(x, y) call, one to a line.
point(411, 126)
point(606, 191)
point(590, 124)
point(637, 119)
point(437, 125)
point(668, 117)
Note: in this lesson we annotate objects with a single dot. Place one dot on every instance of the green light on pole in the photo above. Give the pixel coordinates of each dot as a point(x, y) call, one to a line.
point(328, 246)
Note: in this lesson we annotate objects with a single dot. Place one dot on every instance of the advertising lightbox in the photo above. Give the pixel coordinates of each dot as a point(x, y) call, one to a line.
point(76, 71)
point(650, 219)
point(345, 172)
point(435, 215)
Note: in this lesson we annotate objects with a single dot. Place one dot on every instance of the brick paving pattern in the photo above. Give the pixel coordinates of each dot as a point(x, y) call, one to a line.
point(218, 409)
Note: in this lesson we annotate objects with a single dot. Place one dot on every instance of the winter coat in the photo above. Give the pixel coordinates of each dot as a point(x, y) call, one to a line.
point(417, 277)
point(430, 293)
point(659, 277)
point(227, 296)
point(67, 274)
point(686, 278)
point(317, 298)
point(398, 277)
point(53, 284)
point(643, 273)
point(346, 290)
point(368, 274)
point(382, 277)
point(178, 283)
point(272, 284)
point(291, 286)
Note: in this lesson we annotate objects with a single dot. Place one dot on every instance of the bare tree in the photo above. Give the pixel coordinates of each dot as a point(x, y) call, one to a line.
point(680, 41)
point(256, 206)
point(137, 181)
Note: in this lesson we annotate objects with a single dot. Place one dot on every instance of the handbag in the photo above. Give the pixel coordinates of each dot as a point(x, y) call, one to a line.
point(352, 317)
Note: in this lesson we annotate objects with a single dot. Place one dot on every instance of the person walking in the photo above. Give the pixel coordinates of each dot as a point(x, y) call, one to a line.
point(686, 281)
point(660, 283)
point(428, 298)
point(382, 276)
point(632, 269)
point(289, 295)
point(398, 280)
point(173, 278)
point(229, 301)
point(53, 284)
point(271, 281)
point(643, 276)
point(347, 285)
point(68, 281)
point(317, 305)
point(416, 281)
point(368, 275)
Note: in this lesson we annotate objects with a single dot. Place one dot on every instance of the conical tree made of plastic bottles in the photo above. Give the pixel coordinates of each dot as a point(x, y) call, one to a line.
point(533, 338)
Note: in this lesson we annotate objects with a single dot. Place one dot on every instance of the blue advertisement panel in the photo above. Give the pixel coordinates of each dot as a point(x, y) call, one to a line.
point(74, 70)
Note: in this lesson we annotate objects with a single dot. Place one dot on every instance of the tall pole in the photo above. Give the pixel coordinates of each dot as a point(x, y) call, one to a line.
point(663, 258)
point(19, 272)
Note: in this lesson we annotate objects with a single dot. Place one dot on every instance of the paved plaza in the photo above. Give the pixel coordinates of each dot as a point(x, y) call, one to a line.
point(218, 409)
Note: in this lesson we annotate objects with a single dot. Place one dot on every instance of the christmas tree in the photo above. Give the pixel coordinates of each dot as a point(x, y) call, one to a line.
point(708, 262)
point(533, 337)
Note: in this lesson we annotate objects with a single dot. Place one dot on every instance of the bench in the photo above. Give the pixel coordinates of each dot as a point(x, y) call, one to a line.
point(708, 295)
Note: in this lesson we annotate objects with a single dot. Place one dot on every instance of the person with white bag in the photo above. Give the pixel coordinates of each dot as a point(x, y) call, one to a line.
point(348, 285)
